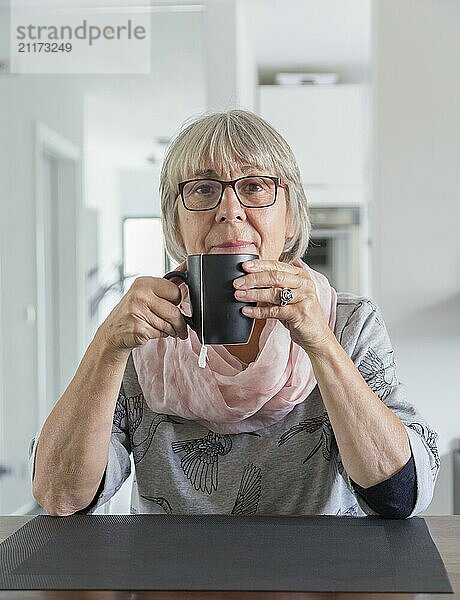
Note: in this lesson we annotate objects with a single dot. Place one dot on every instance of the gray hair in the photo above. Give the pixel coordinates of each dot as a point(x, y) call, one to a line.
point(224, 141)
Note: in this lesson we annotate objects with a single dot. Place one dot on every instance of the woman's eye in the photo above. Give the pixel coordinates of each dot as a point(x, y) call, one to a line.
point(253, 187)
point(203, 189)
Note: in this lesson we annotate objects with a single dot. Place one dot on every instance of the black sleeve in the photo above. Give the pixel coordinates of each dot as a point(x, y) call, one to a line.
point(395, 497)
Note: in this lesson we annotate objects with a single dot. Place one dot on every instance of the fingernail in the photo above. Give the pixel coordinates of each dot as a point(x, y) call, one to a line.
point(249, 264)
point(239, 282)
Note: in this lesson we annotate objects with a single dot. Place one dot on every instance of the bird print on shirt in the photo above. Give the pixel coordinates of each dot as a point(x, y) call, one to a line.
point(379, 378)
point(247, 499)
point(129, 413)
point(162, 502)
point(200, 461)
point(325, 442)
point(120, 414)
point(311, 426)
point(430, 438)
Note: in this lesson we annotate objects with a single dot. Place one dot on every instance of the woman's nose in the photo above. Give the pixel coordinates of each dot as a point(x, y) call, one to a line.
point(230, 208)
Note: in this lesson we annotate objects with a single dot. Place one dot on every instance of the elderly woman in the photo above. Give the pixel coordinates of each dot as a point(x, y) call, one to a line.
point(308, 417)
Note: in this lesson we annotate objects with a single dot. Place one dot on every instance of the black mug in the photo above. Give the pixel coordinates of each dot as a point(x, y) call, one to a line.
point(216, 313)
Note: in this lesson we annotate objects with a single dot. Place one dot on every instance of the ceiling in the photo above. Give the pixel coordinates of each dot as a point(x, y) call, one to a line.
point(311, 36)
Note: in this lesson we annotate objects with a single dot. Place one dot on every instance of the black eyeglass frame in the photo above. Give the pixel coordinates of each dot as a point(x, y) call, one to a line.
point(277, 181)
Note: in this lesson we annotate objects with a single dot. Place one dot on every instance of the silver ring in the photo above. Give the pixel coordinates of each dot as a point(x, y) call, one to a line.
point(286, 296)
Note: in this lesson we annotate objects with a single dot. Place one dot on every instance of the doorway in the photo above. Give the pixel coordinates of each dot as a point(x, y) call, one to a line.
point(58, 314)
point(60, 273)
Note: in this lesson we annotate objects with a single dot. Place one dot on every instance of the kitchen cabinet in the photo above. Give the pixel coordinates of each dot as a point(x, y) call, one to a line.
point(326, 127)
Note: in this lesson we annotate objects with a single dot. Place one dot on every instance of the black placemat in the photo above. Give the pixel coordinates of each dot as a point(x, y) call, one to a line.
point(216, 552)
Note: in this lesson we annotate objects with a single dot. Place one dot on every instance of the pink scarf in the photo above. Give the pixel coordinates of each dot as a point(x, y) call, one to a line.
point(227, 396)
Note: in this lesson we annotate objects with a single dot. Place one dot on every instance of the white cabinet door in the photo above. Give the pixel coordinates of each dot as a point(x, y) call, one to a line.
point(326, 127)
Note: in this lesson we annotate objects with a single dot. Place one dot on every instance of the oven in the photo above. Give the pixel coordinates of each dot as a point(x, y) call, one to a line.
point(336, 247)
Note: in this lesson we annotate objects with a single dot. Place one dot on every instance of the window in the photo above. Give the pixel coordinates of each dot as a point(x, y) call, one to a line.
point(143, 249)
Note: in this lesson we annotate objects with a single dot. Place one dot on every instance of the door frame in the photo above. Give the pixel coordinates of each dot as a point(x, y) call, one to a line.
point(50, 142)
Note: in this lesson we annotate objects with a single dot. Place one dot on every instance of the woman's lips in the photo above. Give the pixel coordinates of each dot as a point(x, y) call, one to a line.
point(234, 246)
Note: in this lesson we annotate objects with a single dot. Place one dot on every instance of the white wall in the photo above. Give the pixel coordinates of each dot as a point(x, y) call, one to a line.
point(229, 41)
point(417, 207)
point(139, 194)
point(103, 195)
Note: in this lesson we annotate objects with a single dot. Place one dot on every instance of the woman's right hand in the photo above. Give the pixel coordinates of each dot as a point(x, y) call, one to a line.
point(147, 311)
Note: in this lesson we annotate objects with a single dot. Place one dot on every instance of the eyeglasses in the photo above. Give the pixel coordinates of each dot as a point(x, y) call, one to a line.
point(252, 192)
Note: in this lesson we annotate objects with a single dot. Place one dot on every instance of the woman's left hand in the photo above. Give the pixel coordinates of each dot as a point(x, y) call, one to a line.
point(303, 315)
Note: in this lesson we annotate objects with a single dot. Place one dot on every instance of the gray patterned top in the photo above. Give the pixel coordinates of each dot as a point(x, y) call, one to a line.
point(290, 468)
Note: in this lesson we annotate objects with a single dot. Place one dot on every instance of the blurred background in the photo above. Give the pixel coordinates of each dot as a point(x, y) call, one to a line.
point(365, 91)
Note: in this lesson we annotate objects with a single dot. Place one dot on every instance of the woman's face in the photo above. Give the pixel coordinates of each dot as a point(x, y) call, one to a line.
point(262, 230)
